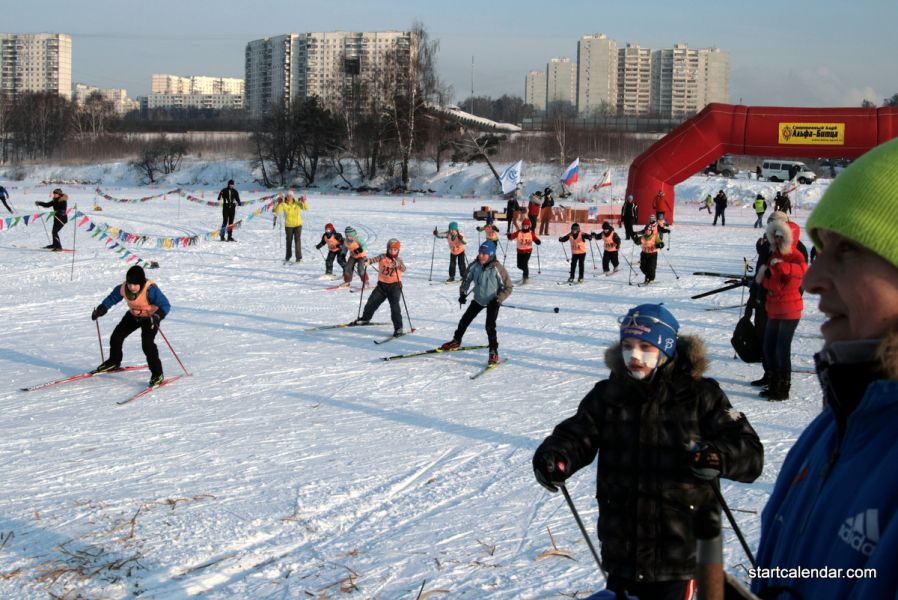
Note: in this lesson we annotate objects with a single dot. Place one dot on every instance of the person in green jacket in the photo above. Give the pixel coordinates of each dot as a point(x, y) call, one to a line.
point(292, 209)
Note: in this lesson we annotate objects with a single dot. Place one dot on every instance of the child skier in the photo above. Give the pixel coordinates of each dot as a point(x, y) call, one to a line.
point(650, 240)
point(492, 286)
point(663, 433)
point(611, 245)
point(456, 240)
point(490, 231)
point(334, 242)
point(147, 306)
point(389, 287)
point(579, 241)
point(525, 238)
point(354, 249)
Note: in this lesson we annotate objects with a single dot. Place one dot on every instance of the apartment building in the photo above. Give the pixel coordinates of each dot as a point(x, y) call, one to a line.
point(685, 80)
point(344, 69)
point(36, 62)
point(561, 81)
point(117, 96)
point(634, 80)
point(535, 89)
point(195, 84)
point(597, 74)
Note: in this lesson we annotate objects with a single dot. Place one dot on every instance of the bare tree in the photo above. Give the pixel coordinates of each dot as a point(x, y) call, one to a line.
point(273, 137)
point(94, 117)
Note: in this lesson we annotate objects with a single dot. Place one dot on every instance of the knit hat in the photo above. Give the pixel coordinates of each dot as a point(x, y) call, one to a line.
point(654, 324)
point(575, 226)
point(607, 226)
point(136, 275)
point(58, 192)
point(329, 227)
point(453, 226)
point(488, 248)
point(862, 203)
point(230, 182)
point(526, 223)
point(349, 231)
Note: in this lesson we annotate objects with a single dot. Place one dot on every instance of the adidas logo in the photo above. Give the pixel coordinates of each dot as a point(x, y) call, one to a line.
point(861, 532)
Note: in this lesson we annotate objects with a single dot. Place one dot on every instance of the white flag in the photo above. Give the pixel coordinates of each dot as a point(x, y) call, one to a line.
point(511, 177)
point(606, 182)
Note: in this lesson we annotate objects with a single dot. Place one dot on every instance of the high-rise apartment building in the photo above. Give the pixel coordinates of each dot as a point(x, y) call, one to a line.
point(195, 84)
point(597, 74)
point(36, 62)
point(685, 80)
point(634, 80)
point(535, 89)
point(118, 97)
point(561, 81)
point(341, 68)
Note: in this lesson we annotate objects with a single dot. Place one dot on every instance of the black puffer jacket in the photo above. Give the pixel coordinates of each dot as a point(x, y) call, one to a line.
point(646, 490)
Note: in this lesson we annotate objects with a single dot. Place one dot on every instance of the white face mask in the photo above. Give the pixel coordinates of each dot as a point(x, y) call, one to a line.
point(648, 360)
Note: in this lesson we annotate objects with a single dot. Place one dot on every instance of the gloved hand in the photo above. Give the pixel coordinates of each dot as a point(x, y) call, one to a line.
point(705, 461)
point(435, 232)
point(98, 312)
point(155, 318)
point(538, 242)
point(561, 239)
point(551, 468)
point(462, 299)
point(660, 245)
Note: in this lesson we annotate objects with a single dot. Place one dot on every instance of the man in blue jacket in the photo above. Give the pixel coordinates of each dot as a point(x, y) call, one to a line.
point(830, 527)
point(147, 306)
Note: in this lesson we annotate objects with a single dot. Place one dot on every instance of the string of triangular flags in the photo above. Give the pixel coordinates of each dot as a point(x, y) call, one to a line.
point(106, 196)
point(10, 222)
point(184, 193)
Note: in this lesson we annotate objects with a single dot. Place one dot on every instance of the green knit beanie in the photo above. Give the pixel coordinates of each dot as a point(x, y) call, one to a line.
point(862, 203)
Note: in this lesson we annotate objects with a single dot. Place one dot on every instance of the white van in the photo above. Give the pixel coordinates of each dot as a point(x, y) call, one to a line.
point(774, 169)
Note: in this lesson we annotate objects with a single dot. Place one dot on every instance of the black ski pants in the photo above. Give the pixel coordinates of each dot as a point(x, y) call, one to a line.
point(578, 260)
point(648, 263)
point(329, 262)
point(610, 259)
point(58, 223)
point(492, 313)
point(524, 263)
point(385, 291)
point(294, 234)
point(3, 199)
point(128, 325)
point(628, 228)
point(720, 212)
point(227, 221)
point(359, 265)
point(458, 259)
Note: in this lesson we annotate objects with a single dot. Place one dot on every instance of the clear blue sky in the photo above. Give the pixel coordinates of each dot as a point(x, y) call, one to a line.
point(794, 53)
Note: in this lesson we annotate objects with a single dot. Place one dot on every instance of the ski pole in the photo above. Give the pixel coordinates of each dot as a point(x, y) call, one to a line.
point(669, 239)
point(320, 252)
point(432, 251)
point(74, 236)
point(47, 233)
point(564, 248)
point(630, 263)
point(715, 486)
point(172, 349)
point(100, 340)
point(361, 294)
point(405, 304)
point(573, 508)
point(671, 266)
point(504, 252)
point(539, 270)
point(593, 257)
point(531, 308)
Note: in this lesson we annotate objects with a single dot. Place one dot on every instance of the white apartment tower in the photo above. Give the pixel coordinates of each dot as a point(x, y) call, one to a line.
point(535, 89)
point(341, 68)
point(561, 81)
point(195, 84)
point(685, 80)
point(118, 97)
point(36, 62)
point(597, 75)
point(634, 80)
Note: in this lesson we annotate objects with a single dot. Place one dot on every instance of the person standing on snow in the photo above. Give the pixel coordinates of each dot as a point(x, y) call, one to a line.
point(456, 240)
point(389, 287)
point(534, 206)
point(334, 242)
point(511, 212)
point(579, 242)
point(230, 200)
point(4, 196)
point(59, 204)
point(147, 306)
point(663, 433)
point(650, 240)
point(629, 213)
point(292, 209)
point(760, 206)
point(525, 238)
point(545, 212)
point(354, 248)
point(492, 286)
point(720, 207)
point(611, 246)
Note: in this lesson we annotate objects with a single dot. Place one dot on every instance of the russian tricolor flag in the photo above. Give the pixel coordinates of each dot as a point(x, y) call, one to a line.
point(572, 173)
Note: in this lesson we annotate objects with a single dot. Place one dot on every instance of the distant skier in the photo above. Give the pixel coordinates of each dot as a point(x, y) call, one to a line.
point(659, 204)
point(511, 212)
point(490, 231)
point(492, 286)
point(4, 196)
point(389, 287)
point(525, 238)
point(354, 249)
point(456, 240)
point(334, 242)
point(720, 207)
point(59, 204)
point(579, 242)
point(147, 306)
point(230, 200)
point(629, 214)
point(292, 209)
point(783, 204)
point(534, 206)
point(650, 240)
point(611, 245)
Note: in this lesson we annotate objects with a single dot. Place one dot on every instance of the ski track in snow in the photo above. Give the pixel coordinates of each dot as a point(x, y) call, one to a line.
point(291, 463)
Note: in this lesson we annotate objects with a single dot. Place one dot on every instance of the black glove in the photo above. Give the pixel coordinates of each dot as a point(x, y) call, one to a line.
point(551, 468)
point(155, 318)
point(705, 461)
point(561, 239)
point(98, 312)
point(537, 242)
point(660, 245)
point(462, 299)
point(435, 232)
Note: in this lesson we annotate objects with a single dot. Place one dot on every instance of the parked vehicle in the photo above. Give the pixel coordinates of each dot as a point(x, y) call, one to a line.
point(774, 169)
point(722, 166)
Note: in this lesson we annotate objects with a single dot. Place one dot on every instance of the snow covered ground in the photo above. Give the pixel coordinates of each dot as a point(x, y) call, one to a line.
point(298, 464)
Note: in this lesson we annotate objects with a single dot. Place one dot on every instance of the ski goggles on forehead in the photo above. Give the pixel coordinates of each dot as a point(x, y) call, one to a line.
point(642, 322)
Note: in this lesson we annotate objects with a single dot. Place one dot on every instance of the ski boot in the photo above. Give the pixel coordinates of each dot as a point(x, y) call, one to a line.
point(106, 366)
point(450, 345)
point(494, 358)
point(156, 380)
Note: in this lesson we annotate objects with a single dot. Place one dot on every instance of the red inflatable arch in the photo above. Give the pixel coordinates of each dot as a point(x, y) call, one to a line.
point(752, 130)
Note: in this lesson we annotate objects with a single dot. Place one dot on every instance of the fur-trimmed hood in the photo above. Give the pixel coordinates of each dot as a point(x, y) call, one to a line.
point(887, 352)
point(790, 233)
point(691, 357)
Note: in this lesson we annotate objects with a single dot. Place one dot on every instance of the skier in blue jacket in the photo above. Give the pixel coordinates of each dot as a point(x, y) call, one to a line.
point(834, 509)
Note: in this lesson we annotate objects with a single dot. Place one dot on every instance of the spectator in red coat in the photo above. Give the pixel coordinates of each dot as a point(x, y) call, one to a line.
point(781, 277)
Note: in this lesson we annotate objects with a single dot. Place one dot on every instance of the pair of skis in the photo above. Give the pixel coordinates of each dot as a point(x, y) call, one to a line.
point(488, 367)
point(346, 325)
point(91, 374)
